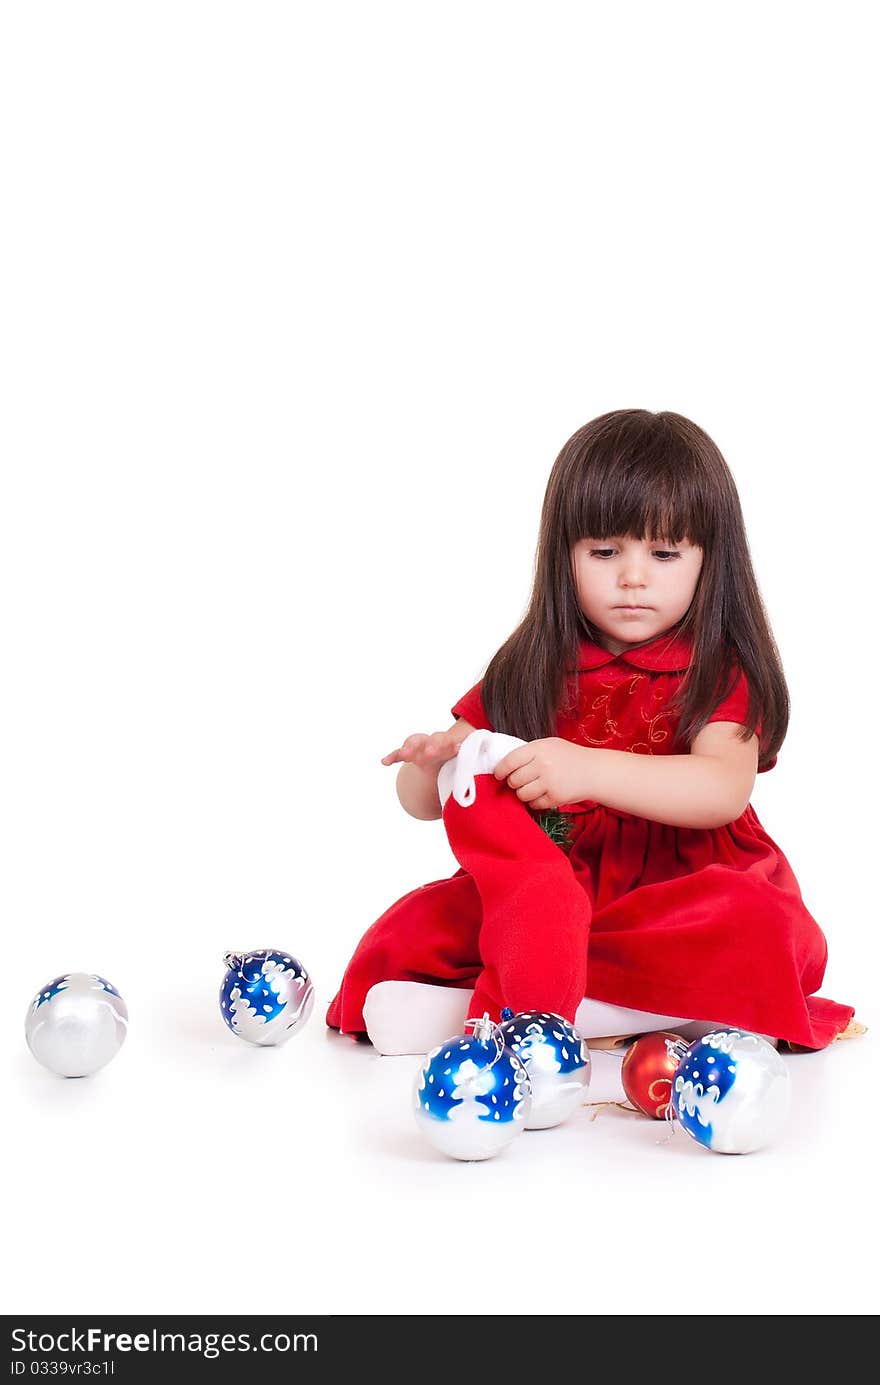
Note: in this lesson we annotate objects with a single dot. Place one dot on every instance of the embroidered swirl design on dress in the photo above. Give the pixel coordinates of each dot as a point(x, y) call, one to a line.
point(657, 724)
point(598, 723)
point(600, 716)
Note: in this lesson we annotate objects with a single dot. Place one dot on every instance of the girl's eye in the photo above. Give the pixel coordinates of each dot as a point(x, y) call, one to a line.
point(664, 554)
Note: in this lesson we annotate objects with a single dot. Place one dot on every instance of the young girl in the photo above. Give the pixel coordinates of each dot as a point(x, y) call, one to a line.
point(595, 785)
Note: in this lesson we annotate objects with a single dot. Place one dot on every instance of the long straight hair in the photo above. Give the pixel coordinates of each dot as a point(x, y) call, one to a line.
point(656, 476)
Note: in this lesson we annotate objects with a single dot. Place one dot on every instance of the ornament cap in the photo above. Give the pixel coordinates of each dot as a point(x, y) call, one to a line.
point(484, 1029)
point(233, 960)
point(677, 1048)
point(506, 1014)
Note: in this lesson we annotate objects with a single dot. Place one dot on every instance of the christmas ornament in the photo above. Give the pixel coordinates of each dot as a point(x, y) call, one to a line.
point(472, 1094)
point(76, 1024)
point(648, 1069)
point(265, 996)
point(731, 1091)
point(556, 1059)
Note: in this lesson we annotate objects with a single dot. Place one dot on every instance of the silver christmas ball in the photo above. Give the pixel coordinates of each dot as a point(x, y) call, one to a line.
point(472, 1094)
point(76, 1024)
point(731, 1091)
point(556, 1059)
point(265, 996)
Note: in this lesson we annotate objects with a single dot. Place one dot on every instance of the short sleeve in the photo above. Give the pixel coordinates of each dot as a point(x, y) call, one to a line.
point(471, 708)
point(735, 707)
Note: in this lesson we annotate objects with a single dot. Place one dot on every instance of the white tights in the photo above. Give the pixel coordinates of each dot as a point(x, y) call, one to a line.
point(413, 1017)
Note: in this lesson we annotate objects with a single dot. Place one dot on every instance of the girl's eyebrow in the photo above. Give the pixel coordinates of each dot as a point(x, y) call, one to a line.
point(655, 543)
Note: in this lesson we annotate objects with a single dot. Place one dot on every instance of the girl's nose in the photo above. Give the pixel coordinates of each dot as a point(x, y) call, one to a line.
point(632, 573)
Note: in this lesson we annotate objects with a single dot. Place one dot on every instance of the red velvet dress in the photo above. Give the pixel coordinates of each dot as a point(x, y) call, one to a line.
point(703, 922)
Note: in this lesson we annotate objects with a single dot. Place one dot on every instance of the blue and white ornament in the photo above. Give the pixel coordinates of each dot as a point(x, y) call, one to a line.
point(265, 996)
point(76, 1023)
point(472, 1094)
point(731, 1091)
point(556, 1059)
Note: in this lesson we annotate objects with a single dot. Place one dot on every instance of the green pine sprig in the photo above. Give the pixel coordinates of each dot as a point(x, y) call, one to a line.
point(558, 827)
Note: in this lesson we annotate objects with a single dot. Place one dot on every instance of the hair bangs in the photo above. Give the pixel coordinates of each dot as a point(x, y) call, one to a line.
point(643, 486)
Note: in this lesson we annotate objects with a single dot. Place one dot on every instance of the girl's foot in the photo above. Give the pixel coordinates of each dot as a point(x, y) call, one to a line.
point(854, 1030)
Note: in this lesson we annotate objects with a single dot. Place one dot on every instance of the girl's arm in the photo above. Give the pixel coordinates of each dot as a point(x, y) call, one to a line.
point(709, 787)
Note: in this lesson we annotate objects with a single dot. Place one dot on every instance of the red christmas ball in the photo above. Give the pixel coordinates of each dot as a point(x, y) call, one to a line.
point(648, 1069)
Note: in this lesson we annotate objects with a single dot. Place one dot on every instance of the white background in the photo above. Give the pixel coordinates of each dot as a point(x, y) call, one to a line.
point(299, 305)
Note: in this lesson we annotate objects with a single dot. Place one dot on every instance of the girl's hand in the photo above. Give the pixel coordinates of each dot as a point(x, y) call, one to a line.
point(546, 773)
point(428, 752)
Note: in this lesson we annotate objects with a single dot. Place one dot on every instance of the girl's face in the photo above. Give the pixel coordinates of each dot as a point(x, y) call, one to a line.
point(632, 590)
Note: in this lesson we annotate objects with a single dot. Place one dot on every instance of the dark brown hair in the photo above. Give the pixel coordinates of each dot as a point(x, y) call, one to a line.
point(656, 476)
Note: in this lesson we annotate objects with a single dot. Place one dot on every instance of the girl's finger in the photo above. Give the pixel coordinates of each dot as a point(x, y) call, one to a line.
point(520, 777)
point(529, 793)
point(515, 760)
